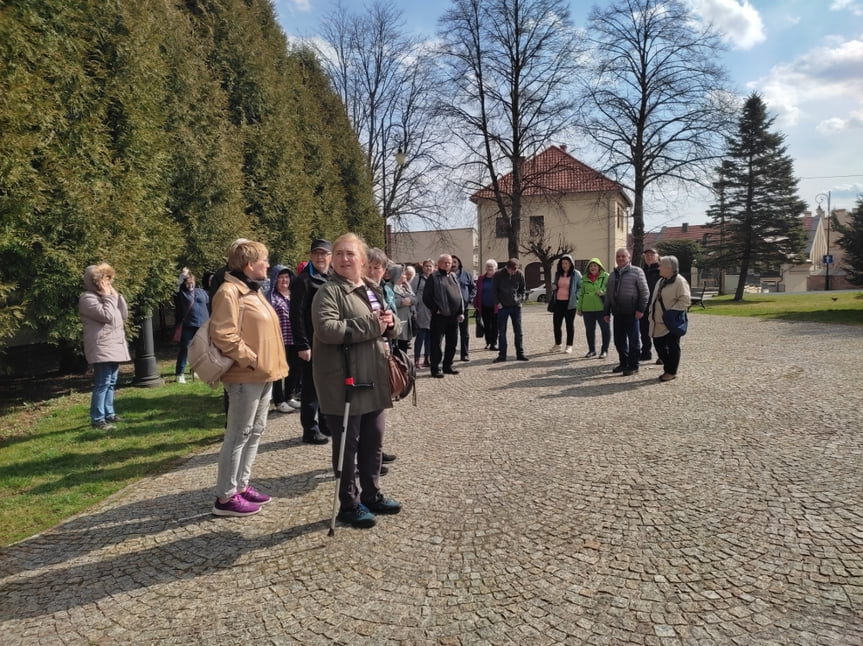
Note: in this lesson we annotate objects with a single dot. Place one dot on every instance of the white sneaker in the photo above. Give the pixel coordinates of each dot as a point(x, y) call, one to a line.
point(294, 403)
point(181, 379)
point(283, 407)
point(603, 355)
point(568, 349)
point(555, 348)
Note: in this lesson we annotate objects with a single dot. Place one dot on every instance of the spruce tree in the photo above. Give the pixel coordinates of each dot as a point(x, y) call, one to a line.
point(760, 211)
point(852, 242)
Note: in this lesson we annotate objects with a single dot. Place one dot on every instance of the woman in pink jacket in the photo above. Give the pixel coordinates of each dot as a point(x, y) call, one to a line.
point(103, 312)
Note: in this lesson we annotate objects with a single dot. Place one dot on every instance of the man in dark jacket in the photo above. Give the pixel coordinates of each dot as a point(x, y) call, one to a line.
point(626, 298)
point(509, 291)
point(442, 295)
point(303, 290)
point(651, 273)
point(468, 291)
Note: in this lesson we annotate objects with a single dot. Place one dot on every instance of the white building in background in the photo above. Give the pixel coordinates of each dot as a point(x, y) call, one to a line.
point(412, 247)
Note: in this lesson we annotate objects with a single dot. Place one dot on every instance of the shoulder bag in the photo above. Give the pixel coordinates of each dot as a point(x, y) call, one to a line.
point(205, 358)
point(675, 320)
point(402, 374)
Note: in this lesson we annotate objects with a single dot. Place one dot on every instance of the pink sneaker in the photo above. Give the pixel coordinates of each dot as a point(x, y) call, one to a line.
point(254, 496)
point(236, 506)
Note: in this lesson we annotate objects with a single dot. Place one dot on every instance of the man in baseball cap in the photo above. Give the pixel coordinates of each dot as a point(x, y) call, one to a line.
point(324, 245)
point(303, 289)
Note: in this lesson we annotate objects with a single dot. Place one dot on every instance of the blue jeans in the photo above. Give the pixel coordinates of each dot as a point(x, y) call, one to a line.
point(247, 418)
point(423, 338)
point(627, 339)
point(591, 319)
point(502, 315)
point(102, 400)
point(183, 354)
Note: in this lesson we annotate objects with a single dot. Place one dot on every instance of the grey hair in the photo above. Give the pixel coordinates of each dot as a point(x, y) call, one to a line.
point(491, 261)
point(378, 256)
point(671, 261)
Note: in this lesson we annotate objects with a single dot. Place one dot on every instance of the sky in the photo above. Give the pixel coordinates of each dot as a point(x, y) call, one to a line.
point(804, 57)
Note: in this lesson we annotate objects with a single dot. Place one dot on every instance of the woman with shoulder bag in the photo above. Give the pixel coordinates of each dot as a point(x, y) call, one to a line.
point(245, 328)
point(350, 300)
point(671, 293)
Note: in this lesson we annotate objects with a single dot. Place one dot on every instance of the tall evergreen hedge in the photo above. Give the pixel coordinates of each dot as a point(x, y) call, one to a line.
point(149, 134)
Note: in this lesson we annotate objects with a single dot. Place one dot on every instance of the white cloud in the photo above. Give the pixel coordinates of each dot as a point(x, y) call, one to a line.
point(853, 6)
point(739, 22)
point(826, 80)
point(302, 5)
point(836, 125)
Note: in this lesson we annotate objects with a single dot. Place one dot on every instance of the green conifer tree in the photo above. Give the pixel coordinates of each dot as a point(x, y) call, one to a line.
point(851, 241)
point(760, 210)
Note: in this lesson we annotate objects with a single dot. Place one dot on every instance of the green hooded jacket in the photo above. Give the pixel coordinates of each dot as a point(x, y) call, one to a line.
point(588, 299)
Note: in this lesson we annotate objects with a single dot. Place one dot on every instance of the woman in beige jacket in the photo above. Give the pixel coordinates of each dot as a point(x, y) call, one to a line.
point(244, 326)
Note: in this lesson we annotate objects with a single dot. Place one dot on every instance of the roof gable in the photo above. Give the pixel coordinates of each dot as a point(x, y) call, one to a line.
point(554, 172)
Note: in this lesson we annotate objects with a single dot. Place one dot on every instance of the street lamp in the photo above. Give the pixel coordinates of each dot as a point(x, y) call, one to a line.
point(828, 257)
point(401, 161)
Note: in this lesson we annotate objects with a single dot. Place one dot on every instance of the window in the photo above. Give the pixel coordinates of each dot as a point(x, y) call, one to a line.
point(620, 219)
point(537, 227)
point(501, 228)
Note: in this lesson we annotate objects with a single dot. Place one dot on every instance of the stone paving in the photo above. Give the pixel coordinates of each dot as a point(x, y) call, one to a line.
point(546, 502)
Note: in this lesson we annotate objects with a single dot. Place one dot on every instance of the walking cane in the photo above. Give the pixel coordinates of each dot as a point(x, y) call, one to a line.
point(349, 389)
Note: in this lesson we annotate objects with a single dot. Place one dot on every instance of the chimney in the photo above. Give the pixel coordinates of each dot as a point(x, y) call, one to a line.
point(684, 227)
point(563, 147)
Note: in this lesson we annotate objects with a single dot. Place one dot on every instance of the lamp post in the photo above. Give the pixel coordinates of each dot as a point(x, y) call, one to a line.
point(828, 257)
point(388, 197)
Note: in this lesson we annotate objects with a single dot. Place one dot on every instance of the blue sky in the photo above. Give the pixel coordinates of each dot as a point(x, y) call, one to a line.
point(805, 57)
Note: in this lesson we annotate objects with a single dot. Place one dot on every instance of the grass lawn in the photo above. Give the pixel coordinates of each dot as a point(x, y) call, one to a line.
point(53, 465)
point(844, 308)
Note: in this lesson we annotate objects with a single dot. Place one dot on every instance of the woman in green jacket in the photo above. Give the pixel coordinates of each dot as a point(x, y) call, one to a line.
point(350, 301)
point(590, 306)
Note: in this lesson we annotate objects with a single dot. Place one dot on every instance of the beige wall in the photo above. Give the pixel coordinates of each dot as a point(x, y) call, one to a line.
point(587, 222)
point(416, 246)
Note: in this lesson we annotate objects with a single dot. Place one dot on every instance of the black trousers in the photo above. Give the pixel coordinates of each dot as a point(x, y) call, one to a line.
point(443, 328)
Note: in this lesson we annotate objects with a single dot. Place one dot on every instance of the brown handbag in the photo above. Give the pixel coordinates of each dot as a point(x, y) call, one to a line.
point(402, 375)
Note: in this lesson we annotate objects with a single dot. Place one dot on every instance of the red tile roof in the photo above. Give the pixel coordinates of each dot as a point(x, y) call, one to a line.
point(554, 171)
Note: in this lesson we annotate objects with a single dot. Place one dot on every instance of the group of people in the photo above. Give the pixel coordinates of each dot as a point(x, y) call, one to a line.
point(331, 326)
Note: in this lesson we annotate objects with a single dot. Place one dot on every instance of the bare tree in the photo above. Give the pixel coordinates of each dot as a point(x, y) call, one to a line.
point(544, 251)
point(656, 97)
point(509, 67)
point(387, 81)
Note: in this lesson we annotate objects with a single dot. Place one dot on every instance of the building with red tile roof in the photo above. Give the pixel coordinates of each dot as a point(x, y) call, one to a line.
point(564, 203)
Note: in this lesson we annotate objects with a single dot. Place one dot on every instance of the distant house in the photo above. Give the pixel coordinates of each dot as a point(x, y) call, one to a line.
point(412, 247)
point(809, 275)
point(563, 200)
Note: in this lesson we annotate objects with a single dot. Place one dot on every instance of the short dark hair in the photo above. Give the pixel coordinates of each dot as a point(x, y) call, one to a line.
point(512, 263)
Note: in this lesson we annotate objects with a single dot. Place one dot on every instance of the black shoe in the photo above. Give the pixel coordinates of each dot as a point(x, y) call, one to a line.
point(617, 369)
point(646, 356)
point(326, 432)
point(315, 438)
point(499, 360)
point(521, 357)
point(384, 470)
point(659, 362)
point(388, 457)
point(493, 348)
point(360, 516)
point(465, 358)
point(450, 371)
point(437, 375)
point(630, 371)
point(384, 505)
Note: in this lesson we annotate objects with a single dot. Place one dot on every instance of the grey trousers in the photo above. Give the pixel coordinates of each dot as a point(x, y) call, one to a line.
point(248, 405)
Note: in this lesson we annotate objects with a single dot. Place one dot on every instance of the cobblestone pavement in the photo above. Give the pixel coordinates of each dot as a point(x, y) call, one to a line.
point(546, 502)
